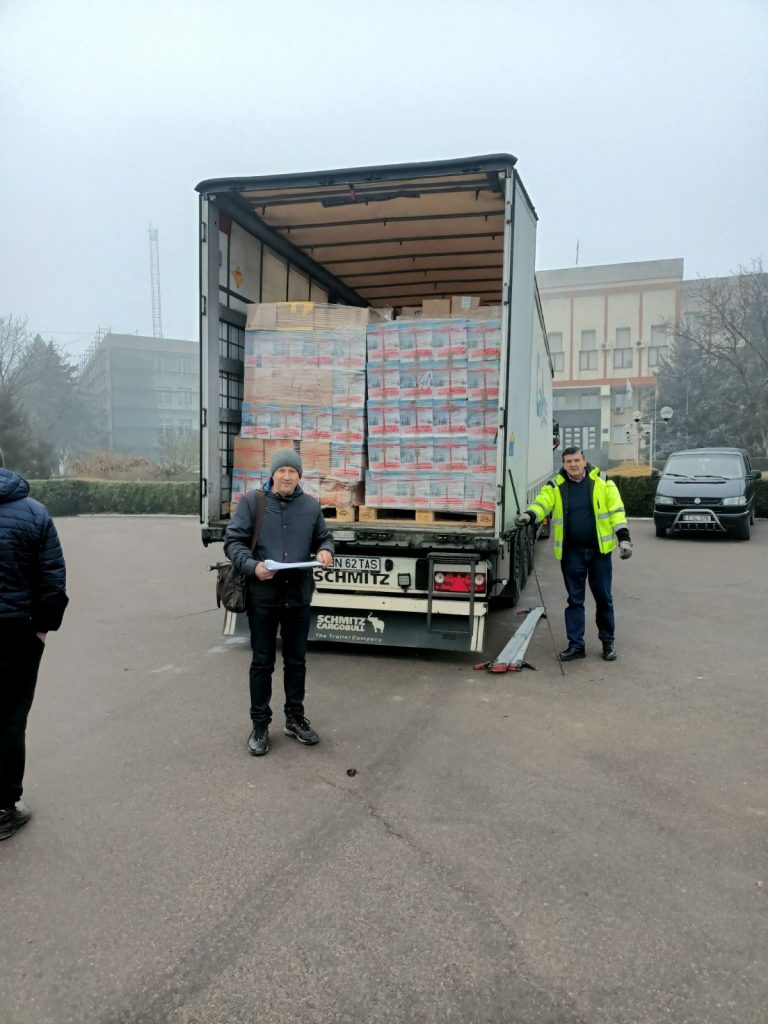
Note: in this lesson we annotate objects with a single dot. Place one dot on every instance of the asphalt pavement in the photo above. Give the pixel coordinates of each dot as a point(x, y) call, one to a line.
point(526, 848)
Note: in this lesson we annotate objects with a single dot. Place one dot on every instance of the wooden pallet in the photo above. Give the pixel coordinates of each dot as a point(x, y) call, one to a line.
point(423, 515)
point(340, 515)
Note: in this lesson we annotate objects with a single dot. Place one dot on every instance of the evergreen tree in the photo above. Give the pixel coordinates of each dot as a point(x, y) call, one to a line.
point(25, 453)
point(57, 409)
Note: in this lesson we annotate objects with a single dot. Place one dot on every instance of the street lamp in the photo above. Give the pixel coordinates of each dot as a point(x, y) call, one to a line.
point(666, 413)
point(637, 417)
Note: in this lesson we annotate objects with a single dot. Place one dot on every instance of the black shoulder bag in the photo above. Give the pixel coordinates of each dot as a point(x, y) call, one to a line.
point(230, 582)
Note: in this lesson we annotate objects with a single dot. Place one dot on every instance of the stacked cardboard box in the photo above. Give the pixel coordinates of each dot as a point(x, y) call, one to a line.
point(433, 387)
point(304, 387)
point(466, 306)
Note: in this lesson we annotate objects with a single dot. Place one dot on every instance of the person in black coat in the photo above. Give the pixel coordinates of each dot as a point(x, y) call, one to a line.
point(293, 529)
point(32, 602)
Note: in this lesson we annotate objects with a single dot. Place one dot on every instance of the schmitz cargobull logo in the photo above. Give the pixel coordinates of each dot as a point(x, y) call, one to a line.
point(368, 628)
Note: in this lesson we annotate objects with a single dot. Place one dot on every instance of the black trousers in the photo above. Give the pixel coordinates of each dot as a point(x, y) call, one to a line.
point(264, 621)
point(20, 654)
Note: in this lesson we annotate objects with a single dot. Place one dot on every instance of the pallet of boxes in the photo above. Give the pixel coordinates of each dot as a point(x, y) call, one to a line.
point(409, 405)
point(432, 411)
point(304, 387)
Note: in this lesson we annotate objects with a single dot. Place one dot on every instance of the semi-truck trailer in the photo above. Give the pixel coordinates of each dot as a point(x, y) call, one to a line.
point(391, 237)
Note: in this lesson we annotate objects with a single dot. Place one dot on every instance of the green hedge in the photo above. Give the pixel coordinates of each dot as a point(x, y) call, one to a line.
point(638, 491)
point(65, 497)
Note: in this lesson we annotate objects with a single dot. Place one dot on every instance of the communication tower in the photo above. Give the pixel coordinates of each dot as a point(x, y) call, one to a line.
point(154, 271)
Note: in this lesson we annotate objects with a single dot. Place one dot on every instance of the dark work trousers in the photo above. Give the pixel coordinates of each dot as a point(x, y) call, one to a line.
point(294, 630)
point(582, 565)
point(20, 654)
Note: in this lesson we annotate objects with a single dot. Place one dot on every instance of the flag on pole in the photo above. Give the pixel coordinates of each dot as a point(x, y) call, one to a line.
point(629, 391)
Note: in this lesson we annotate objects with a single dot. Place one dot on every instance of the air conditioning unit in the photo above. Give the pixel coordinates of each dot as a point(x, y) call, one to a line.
point(639, 343)
point(605, 344)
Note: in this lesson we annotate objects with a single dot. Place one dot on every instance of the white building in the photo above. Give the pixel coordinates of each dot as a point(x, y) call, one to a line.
point(608, 329)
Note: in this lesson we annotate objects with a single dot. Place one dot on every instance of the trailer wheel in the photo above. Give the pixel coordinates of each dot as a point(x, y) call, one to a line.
point(510, 595)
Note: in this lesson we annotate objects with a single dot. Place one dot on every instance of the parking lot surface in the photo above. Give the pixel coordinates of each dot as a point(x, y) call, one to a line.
point(530, 848)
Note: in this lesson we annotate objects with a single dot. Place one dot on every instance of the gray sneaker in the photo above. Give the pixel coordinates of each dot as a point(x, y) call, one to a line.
point(12, 819)
point(301, 730)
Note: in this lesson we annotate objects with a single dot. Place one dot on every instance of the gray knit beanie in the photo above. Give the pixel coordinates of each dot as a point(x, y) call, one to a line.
point(286, 457)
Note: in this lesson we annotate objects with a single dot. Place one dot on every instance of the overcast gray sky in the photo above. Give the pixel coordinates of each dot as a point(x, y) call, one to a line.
point(640, 128)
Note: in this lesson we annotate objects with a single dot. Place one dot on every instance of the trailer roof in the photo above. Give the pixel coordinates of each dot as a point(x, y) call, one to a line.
point(392, 235)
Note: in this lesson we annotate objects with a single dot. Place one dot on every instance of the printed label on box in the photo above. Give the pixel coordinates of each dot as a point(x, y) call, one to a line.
point(383, 419)
point(483, 381)
point(484, 340)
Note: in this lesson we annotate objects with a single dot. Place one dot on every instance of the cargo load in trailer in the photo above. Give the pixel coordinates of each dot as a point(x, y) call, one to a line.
point(385, 322)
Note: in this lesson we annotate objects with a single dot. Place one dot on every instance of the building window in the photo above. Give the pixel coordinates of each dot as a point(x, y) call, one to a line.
point(693, 323)
point(588, 341)
point(623, 337)
point(588, 360)
point(619, 401)
point(658, 336)
point(622, 358)
point(589, 400)
point(556, 350)
point(659, 345)
point(579, 437)
point(656, 355)
point(559, 402)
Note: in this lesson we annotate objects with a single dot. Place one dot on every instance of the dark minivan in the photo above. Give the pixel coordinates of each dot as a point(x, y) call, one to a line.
point(709, 489)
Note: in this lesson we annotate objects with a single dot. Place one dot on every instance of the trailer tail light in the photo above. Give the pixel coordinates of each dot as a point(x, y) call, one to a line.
point(458, 582)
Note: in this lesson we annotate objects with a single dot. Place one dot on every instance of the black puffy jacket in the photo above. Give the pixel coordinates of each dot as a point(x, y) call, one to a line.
point(32, 572)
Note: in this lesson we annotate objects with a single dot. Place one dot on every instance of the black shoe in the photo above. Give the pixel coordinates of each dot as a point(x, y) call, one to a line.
point(258, 741)
point(609, 651)
point(12, 818)
point(301, 730)
point(571, 653)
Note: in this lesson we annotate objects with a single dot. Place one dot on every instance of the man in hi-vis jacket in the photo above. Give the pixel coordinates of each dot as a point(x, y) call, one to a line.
point(588, 518)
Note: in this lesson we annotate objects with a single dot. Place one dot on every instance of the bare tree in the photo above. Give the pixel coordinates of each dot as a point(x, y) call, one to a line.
point(728, 324)
point(14, 343)
point(178, 450)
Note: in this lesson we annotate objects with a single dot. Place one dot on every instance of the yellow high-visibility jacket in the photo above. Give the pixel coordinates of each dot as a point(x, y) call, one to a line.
point(606, 504)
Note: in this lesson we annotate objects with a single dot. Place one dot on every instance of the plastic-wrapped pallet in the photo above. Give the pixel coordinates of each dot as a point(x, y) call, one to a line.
point(433, 389)
point(304, 387)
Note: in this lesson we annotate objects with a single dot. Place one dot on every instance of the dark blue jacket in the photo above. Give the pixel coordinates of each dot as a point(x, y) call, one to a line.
point(32, 573)
point(293, 530)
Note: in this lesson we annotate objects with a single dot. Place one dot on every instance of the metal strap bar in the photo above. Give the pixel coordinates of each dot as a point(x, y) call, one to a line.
point(512, 657)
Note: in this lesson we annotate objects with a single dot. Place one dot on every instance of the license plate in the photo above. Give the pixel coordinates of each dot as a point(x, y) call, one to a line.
point(691, 518)
point(356, 563)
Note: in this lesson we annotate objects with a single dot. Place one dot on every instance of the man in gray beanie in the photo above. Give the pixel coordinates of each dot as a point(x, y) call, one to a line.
point(292, 529)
